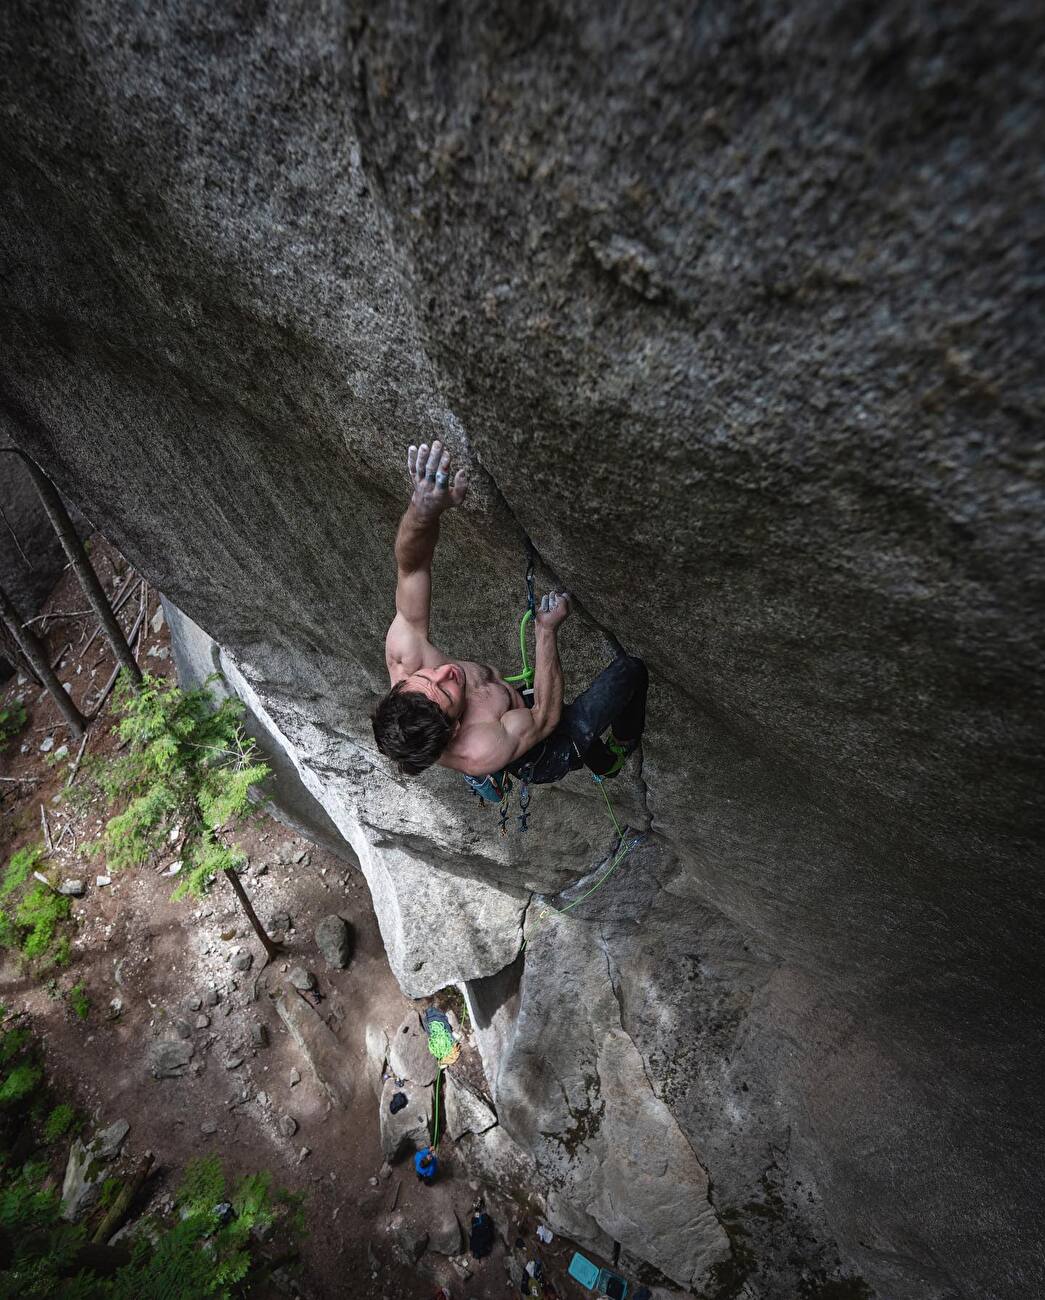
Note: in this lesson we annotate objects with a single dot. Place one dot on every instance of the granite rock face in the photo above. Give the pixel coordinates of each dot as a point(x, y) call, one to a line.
point(734, 311)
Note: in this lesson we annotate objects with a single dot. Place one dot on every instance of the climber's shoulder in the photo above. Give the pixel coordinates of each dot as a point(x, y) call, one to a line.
point(407, 649)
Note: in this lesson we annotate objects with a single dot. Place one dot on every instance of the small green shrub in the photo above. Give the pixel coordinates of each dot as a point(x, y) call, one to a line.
point(59, 1122)
point(20, 867)
point(79, 1001)
point(34, 912)
point(190, 764)
point(13, 718)
point(19, 1082)
point(37, 917)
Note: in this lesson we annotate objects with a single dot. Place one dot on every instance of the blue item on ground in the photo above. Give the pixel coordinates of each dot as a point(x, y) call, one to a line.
point(426, 1165)
point(612, 1285)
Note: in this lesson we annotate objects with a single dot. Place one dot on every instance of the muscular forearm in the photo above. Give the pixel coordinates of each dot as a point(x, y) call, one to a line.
point(547, 681)
point(416, 539)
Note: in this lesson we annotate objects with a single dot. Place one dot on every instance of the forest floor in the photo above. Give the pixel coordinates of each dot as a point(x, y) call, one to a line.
point(151, 968)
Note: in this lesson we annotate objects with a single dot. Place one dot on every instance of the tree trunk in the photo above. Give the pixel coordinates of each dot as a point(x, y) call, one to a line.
point(36, 652)
point(118, 1209)
point(272, 949)
point(77, 556)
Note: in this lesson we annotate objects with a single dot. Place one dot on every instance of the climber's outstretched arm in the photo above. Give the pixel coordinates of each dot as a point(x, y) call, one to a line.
point(407, 647)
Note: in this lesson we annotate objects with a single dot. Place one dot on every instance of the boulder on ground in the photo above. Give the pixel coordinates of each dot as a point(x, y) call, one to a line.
point(169, 1058)
point(85, 1170)
point(376, 1055)
point(318, 1043)
point(334, 941)
point(466, 1112)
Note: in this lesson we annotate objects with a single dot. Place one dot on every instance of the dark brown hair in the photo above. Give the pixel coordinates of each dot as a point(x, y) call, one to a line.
point(410, 728)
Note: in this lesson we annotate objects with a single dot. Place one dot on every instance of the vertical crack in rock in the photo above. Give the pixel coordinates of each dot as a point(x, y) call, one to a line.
point(615, 989)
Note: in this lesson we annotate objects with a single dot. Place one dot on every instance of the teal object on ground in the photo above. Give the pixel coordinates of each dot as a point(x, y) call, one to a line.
point(583, 1271)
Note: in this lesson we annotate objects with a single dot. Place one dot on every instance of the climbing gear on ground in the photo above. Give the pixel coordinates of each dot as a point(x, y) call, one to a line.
point(426, 1166)
point(441, 1042)
point(480, 1238)
point(397, 1103)
point(446, 1050)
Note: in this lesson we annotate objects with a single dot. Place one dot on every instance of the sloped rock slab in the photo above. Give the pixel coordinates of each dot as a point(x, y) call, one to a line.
point(85, 1170)
point(319, 1045)
point(408, 1054)
point(466, 1112)
point(407, 1129)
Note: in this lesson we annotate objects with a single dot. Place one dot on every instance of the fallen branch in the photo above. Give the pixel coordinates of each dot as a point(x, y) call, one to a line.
point(47, 829)
point(57, 663)
point(76, 613)
point(21, 780)
point(76, 764)
point(119, 1207)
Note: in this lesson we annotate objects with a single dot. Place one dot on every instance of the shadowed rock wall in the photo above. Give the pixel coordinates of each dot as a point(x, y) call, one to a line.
point(734, 310)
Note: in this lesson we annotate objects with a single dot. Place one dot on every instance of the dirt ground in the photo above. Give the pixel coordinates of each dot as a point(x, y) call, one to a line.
point(145, 960)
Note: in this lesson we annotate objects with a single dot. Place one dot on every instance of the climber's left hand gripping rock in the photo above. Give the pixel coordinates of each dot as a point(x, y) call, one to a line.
point(429, 470)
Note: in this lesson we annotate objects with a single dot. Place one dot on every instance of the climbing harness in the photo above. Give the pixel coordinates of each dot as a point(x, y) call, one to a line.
point(624, 847)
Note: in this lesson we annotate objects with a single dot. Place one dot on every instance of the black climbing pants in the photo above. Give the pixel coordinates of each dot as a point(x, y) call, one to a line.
point(617, 699)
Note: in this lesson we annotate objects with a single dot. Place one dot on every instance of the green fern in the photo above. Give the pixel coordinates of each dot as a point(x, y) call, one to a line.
point(19, 1082)
point(79, 1001)
point(13, 718)
point(38, 916)
point(20, 867)
point(59, 1122)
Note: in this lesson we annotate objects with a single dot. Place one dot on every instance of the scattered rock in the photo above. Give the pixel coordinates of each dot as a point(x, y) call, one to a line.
point(261, 869)
point(63, 750)
point(288, 1125)
point(303, 857)
point(183, 1029)
point(232, 1062)
point(212, 997)
point(108, 1142)
point(115, 1008)
point(303, 980)
point(279, 921)
point(303, 1154)
point(193, 1003)
point(202, 1021)
point(334, 941)
point(408, 1054)
point(157, 621)
point(242, 961)
point(47, 744)
point(295, 1077)
point(72, 888)
point(169, 1058)
point(284, 853)
point(208, 1127)
point(262, 1099)
point(259, 1034)
point(103, 880)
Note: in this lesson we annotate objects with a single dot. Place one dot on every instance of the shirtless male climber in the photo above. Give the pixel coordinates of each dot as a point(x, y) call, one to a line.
point(463, 715)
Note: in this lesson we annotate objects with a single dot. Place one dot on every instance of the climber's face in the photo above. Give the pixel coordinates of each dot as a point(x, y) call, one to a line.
point(444, 685)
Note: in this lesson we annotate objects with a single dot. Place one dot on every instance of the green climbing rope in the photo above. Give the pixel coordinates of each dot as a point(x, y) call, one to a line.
point(625, 847)
point(440, 1040)
point(526, 675)
point(435, 1111)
